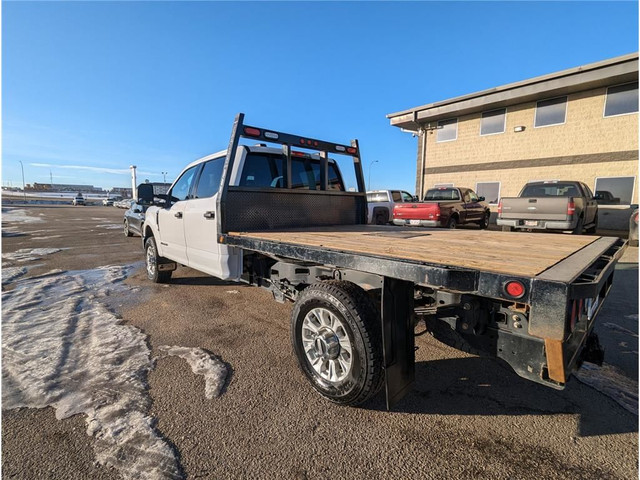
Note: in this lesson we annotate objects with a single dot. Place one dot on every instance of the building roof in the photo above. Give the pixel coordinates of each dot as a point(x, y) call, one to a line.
point(613, 71)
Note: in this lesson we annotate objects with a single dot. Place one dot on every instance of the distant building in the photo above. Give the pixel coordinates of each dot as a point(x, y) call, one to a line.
point(577, 124)
point(60, 187)
point(122, 191)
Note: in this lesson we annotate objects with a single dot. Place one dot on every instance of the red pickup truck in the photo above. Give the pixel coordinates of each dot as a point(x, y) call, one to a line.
point(444, 207)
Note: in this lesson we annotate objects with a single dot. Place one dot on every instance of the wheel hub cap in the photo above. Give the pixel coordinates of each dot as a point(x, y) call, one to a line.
point(327, 345)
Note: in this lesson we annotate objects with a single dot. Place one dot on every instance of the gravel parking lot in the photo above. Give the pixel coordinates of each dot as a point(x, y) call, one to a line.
point(467, 417)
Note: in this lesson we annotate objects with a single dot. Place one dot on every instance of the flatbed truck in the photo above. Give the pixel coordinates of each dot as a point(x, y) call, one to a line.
point(281, 218)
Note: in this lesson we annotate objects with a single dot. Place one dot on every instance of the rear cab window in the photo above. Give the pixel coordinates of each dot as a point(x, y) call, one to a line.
point(551, 190)
point(442, 193)
point(265, 170)
point(377, 197)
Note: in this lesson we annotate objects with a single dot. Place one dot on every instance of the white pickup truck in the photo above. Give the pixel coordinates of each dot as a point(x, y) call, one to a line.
point(281, 218)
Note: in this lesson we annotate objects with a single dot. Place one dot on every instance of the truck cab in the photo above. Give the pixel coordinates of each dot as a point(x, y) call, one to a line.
point(185, 227)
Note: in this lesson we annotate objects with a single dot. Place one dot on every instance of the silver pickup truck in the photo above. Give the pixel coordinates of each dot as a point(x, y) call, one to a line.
point(550, 205)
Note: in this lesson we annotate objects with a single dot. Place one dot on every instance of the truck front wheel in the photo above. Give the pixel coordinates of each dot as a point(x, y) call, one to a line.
point(152, 259)
point(336, 336)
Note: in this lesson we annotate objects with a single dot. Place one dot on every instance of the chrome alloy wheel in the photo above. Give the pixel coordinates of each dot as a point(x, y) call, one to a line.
point(151, 261)
point(326, 344)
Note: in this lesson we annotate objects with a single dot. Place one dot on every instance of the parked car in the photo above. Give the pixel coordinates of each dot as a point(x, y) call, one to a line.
point(380, 204)
point(633, 229)
point(78, 200)
point(550, 205)
point(124, 203)
point(133, 219)
point(110, 200)
point(444, 207)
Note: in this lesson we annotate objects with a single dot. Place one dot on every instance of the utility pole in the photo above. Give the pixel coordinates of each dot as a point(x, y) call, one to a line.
point(51, 177)
point(24, 194)
point(164, 176)
point(134, 187)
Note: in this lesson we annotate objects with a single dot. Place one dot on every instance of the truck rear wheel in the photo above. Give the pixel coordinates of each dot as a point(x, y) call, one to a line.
point(152, 259)
point(336, 337)
point(452, 223)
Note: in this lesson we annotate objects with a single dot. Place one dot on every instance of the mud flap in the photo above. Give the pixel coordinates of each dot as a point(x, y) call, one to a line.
point(397, 338)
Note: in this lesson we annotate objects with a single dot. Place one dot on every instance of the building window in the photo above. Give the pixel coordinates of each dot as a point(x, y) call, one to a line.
point(490, 191)
point(614, 190)
point(621, 100)
point(551, 112)
point(493, 122)
point(447, 130)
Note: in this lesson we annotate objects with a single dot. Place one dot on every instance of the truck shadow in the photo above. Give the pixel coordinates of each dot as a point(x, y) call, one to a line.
point(474, 386)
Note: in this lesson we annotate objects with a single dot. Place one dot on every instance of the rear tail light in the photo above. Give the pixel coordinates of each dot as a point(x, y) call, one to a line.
point(514, 288)
point(635, 218)
point(500, 207)
point(571, 207)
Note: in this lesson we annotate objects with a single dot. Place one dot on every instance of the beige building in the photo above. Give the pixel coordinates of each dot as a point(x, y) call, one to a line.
point(578, 124)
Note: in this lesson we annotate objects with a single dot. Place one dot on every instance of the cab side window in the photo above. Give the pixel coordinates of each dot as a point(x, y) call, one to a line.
point(473, 196)
point(209, 181)
point(182, 187)
point(407, 197)
point(397, 197)
point(466, 197)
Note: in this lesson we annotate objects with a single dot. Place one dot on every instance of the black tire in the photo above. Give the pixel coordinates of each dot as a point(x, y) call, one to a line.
point(379, 219)
point(452, 223)
point(484, 223)
point(506, 228)
point(594, 228)
point(127, 232)
point(151, 263)
point(579, 227)
point(358, 323)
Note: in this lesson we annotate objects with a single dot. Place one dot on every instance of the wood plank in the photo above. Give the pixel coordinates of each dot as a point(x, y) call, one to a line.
point(501, 252)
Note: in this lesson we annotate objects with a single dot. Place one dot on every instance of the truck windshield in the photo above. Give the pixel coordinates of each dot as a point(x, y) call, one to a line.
point(550, 190)
point(442, 194)
point(266, 171)
point(377, 197)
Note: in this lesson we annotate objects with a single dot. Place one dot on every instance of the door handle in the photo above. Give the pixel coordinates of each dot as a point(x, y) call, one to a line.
point(178, 214)
point(209, 215)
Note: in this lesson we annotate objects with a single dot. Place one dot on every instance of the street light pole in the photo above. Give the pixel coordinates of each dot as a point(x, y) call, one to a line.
point(164, 176)
point(370, 165)
point(24, 194)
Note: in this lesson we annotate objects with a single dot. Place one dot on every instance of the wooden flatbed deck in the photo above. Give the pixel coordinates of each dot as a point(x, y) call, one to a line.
point(521, 254)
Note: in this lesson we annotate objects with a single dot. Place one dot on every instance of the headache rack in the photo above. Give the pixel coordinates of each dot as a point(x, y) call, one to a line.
point(257, 208)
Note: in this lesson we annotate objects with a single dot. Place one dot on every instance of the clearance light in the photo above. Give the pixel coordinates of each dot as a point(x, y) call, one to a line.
point(514, 289)
point(351, 150)
point(253, 132)
point(340, 148)
point(298, 154)
point(272, 135)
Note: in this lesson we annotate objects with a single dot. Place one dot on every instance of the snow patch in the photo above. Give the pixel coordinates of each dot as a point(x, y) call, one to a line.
point(19, 216)
point(46, 237)
point(611, 382)
point(11, 273)
point(201, 363)
point(29, 254)
point(110, 226)
point(61, 347)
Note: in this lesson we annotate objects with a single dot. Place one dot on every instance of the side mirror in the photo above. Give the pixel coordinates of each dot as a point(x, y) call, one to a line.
point(415, 198)
point(481, 199)
point(145, 194)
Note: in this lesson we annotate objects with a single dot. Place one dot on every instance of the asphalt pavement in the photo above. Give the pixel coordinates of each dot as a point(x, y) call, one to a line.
point(466, 417)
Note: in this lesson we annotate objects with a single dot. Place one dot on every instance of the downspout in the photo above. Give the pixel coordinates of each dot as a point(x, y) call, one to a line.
point(422, 132)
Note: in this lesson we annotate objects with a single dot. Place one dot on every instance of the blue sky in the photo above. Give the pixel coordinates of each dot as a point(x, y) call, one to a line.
point(90, 88)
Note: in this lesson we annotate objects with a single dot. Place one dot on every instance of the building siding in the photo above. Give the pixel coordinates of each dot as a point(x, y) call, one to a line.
point(585, 147)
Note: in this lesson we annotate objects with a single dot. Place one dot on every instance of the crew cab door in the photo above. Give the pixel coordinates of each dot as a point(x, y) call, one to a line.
point(200, 225)
point(472, 206)
point(171, 218)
